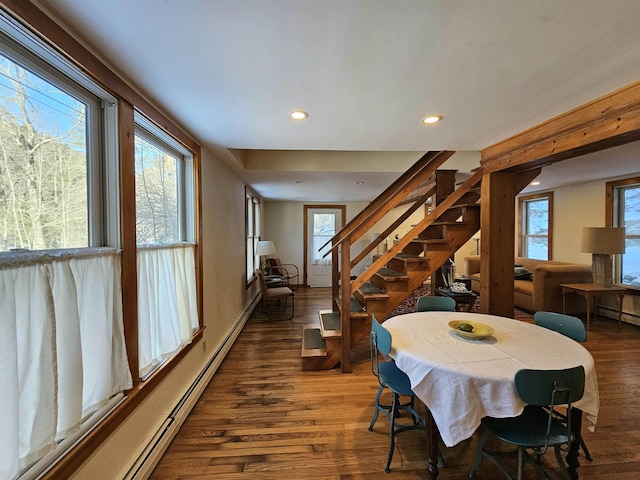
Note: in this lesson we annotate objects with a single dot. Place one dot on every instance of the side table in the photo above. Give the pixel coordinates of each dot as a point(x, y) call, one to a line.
point(591, 291)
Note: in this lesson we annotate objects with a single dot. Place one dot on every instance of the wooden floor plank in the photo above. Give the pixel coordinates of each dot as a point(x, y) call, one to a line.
point(263, 418)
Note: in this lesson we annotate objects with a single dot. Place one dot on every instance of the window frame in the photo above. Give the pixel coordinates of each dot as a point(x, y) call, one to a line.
point(102, 168)
point(149, 132)
point(523, 203)
point(613, 218)
point(253, 231)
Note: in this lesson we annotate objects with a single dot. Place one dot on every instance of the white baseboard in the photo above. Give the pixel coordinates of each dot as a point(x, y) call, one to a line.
point(158, 444)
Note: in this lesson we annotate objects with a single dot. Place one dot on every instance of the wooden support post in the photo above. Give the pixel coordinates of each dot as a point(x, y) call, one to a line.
point(497, 226)
point(445, 185)
point(345, 306)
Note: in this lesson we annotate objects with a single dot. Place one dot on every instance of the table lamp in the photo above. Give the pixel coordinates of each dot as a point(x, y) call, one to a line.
point(265, 247)
point(602, 242)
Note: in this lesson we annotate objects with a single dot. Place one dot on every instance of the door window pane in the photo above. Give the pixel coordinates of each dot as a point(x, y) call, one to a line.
point(324, 228)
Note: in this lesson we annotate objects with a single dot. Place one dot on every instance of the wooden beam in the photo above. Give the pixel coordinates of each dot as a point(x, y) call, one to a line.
point(602, 123)
point(497, 227)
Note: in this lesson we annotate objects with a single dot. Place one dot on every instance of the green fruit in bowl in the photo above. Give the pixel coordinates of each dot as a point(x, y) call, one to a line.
point(465, 327)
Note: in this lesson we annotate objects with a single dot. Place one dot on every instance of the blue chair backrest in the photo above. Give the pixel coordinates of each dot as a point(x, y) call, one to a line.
point(432, 303)
point(567, 325)
point(380, 336)
point(537, 387)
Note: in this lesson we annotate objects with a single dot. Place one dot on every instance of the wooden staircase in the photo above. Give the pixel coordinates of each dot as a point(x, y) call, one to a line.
point(394, 275)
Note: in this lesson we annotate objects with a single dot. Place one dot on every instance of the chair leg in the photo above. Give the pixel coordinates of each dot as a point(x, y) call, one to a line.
point(377, 408)
point(392, 432)
point(521, 453)
point(478, 459)
point(563, 466)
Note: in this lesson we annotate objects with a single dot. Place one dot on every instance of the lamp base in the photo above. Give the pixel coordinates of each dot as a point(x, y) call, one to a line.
point(601, 265)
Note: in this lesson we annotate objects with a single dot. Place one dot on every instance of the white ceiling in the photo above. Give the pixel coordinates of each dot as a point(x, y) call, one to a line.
point(367, 71)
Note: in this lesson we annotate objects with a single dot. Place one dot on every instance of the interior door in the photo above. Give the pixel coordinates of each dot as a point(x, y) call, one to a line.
point(322, 223)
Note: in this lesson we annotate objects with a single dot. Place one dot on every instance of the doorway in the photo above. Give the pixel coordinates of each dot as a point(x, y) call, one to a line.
point(321, 223)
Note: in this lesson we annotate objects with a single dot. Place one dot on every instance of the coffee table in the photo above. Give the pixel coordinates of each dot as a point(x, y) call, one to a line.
point(467, 298)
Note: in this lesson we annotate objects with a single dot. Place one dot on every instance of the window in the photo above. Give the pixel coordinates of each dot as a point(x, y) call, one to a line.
point(51, 130)
point(167, 312)
point(60, 299)
point(535, 217)
point(625, 210)
point(252, 227)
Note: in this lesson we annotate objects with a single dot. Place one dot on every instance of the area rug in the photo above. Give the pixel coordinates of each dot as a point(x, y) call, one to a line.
point(409, 305)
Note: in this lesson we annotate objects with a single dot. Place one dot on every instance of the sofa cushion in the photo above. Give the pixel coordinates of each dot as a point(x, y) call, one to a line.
point(521, 273)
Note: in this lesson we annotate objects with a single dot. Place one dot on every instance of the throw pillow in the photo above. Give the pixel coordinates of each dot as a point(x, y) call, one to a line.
point(521, 273)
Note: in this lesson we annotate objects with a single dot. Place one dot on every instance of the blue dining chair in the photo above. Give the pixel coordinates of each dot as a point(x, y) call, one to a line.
point(391, 377)
point(434, 303)
point(537, 428)
point(568, 326)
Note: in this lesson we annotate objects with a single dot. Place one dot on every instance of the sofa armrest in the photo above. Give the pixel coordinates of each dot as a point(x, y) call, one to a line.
point(472, 264)
point(547, 278)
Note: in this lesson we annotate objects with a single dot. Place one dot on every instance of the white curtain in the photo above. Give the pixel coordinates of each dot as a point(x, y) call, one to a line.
point(62, 351)
point(167, 312)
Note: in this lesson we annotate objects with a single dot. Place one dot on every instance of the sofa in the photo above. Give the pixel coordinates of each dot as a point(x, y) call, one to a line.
point(539, 289)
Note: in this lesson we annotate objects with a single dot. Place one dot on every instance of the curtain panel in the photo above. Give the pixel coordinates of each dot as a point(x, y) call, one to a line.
point(62, 349)
point(167, 308)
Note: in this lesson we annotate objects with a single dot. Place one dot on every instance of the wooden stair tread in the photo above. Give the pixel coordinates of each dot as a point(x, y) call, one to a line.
point(313, 345)
point(391, 274)
point(370, 289)
point(330, 324)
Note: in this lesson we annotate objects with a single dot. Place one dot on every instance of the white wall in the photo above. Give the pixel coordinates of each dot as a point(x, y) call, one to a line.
point(225, 299)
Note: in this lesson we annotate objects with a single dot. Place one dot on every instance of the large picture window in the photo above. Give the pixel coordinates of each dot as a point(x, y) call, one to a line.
point(49, 196)
point(625, 212)
point(62, 356)
point(167, 312)
point(535, 218)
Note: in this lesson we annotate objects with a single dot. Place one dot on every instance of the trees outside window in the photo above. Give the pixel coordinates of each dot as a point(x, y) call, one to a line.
point(535, 218)
point(158, 173)
point(43, 162)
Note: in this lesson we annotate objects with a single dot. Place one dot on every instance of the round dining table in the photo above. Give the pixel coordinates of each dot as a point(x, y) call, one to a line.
point(461, 380)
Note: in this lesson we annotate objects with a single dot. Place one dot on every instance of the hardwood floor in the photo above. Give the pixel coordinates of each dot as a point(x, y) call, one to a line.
point(261, 417)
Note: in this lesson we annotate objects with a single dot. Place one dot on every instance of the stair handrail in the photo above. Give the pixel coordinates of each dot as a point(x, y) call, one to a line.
point(429, 161)
point(417, 204)
point(416, 230)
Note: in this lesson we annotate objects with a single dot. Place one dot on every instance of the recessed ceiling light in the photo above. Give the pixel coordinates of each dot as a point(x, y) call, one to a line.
point(535, 183)
point(298, 115)
point(359, 183)
point(431, 119)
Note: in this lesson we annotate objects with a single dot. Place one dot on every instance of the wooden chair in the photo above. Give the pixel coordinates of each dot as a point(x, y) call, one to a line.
point(272, 295)
point(286, 270)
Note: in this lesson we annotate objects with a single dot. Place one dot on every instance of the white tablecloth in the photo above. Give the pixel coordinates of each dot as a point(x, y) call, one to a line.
point(461, 380)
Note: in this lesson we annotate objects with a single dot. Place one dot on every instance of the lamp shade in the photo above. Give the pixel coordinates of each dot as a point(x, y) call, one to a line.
point(604, 240)
point(265, 247)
